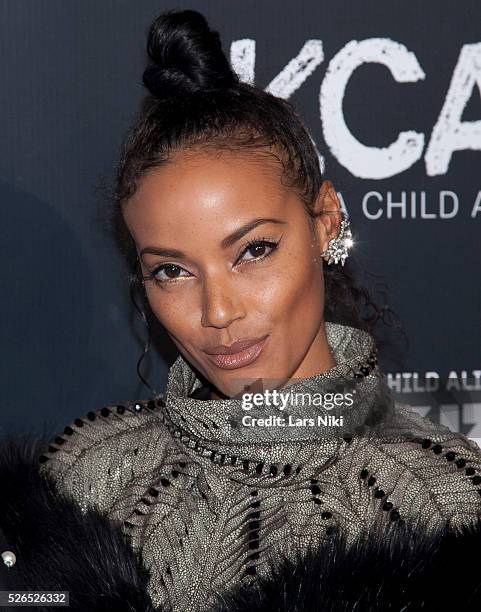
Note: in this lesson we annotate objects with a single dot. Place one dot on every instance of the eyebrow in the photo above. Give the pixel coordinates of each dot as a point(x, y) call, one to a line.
point(225, 243)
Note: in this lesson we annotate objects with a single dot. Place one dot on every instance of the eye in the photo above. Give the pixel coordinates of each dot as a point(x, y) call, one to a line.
point(257, 249)
point(166, 272)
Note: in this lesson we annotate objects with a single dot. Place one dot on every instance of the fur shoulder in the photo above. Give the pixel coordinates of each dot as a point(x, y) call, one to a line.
point(99, 454)
point(57, 546)
point(404, 569)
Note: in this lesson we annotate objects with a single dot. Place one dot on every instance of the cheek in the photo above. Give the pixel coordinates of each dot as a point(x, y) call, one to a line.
point(172, 313)
point(294, 295)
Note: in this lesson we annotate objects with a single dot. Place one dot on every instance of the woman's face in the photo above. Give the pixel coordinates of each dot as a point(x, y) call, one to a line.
point(233, 257)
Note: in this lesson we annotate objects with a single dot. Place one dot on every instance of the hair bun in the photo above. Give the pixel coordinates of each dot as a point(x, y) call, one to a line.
point(186, 56)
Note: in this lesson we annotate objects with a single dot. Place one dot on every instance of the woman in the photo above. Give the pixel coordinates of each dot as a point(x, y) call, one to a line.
point(232, 496)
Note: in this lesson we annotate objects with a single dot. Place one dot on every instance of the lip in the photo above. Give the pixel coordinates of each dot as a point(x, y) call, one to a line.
point(238, 354)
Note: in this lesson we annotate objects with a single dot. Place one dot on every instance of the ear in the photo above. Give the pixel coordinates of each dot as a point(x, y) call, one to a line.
point(327, 211)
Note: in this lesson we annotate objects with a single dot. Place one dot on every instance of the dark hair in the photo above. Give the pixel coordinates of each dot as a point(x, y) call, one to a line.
point(197, 101)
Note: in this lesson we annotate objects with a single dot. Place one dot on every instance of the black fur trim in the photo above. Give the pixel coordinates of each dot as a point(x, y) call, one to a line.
point(403, 570)
point(59, 548)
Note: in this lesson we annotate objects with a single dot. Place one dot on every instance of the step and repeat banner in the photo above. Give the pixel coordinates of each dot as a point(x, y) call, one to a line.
point(391, 95)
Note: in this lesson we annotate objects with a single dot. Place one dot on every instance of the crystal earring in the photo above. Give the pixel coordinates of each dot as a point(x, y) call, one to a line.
point(337, 248)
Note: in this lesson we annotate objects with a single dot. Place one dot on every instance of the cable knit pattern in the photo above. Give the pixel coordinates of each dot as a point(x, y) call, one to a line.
point(208, 502)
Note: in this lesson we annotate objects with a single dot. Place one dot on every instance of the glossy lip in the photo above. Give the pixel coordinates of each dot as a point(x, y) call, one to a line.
point(235, 347)
point(247, 355)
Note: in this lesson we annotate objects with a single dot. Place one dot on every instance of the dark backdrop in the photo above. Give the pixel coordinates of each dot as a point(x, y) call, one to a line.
point(71, 84)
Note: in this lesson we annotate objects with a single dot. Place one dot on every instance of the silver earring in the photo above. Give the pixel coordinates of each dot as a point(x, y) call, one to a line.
point(337, 248)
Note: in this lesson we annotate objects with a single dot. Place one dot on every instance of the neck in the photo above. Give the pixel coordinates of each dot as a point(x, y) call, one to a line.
point(318, 357)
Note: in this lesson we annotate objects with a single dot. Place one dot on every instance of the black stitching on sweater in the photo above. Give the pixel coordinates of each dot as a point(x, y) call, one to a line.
point(253, 523)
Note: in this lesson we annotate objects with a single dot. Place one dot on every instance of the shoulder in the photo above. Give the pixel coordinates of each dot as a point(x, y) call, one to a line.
point(417, 470)
point(99, 454)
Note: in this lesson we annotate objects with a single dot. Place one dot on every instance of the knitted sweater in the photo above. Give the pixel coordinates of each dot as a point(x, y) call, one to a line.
point(211, 501)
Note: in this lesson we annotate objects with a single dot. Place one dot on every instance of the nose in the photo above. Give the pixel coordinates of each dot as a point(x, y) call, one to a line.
point(221, 303)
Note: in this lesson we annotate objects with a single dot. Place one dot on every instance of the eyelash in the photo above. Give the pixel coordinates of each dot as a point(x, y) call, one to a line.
point(254, 242)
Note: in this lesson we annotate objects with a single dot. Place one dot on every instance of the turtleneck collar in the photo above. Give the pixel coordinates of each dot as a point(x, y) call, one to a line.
point(219, 423)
